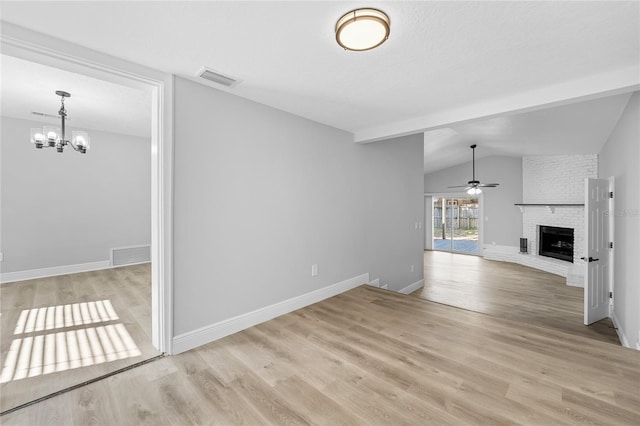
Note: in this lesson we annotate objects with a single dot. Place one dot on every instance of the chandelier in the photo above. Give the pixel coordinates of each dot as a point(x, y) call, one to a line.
point(51, 136)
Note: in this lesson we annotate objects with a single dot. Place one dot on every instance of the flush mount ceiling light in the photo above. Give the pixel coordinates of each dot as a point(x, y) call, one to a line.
point(51, 136)
point(362, 29)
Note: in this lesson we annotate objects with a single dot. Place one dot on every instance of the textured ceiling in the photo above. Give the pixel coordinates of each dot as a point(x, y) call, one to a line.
point(28, 87)
point(444, 63)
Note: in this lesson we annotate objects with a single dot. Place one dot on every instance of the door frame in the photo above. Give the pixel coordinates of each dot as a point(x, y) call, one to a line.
point(480, 198)
point(40, 48)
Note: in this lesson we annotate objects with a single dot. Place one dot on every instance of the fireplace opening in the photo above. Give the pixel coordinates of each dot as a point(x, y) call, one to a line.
point(556, 242)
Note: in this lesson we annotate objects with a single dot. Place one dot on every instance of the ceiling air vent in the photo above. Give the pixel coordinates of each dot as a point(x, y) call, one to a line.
point(216, 77)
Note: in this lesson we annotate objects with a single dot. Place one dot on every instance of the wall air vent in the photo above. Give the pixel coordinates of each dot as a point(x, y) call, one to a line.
point(130, 255)
point(216, 77)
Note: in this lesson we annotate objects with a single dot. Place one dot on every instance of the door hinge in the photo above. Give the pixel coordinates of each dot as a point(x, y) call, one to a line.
point(611, 194)
point(610, 245)
point(610, 295)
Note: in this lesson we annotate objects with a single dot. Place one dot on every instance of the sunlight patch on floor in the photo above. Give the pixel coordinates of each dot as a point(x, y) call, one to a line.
point(38, 352)
point(61, 316)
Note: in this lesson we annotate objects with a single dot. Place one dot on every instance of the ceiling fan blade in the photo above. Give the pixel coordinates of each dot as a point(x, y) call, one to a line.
point(459, 186)
point(489, 185)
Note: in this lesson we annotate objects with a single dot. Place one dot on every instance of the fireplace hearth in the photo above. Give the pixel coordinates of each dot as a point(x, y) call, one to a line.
point(556, 242)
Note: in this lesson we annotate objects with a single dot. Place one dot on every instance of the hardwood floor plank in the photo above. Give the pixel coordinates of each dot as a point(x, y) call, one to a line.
point(267, 401)
point(420, 362)
point(509, 291)
point(315, 405)
point(271, 365)
point(372, 401)
point(370, 356)
point(557, 364)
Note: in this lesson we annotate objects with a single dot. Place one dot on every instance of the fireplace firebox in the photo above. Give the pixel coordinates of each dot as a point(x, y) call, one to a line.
point(556, 242)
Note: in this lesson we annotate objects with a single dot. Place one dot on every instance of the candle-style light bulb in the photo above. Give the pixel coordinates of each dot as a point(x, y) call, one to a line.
point(37, 136)
point(81, 141)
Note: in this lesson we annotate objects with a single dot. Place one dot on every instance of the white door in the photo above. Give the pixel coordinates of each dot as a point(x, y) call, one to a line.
point(596, 280)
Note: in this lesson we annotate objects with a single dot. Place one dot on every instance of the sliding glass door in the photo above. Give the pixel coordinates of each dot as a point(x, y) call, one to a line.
point(455, 224)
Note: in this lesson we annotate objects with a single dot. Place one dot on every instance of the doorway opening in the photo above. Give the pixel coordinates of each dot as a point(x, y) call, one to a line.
point(56, 334)
point(456, 227)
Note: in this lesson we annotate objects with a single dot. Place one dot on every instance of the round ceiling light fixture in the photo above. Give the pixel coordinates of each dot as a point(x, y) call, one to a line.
point(362, 29)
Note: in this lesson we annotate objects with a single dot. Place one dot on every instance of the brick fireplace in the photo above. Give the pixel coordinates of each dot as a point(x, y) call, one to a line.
point(552, 184)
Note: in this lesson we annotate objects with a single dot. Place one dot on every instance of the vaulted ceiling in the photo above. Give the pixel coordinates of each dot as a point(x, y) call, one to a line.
point(445, 65)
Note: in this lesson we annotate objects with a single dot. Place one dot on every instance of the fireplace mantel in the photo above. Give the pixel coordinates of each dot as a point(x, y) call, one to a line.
point(549, 206)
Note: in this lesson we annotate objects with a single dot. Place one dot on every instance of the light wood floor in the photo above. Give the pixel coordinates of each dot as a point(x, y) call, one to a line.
point(127, 289)
point(374, 357)
point(511, 291)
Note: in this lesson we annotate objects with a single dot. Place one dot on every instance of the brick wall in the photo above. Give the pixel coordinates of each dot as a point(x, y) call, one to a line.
point(557, 179)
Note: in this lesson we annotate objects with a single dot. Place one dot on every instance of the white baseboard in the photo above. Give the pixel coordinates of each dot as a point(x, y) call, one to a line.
point(572, 272)
point(412, 287)
point(621, 334)
point(498, 252)
point(9, 277)
point(375, 283)
point(209, 333)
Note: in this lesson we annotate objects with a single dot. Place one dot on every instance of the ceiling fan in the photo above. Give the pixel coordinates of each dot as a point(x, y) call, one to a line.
point(473, 186)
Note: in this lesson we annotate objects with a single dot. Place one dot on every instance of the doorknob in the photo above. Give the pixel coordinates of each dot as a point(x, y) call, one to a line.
point(591, 259)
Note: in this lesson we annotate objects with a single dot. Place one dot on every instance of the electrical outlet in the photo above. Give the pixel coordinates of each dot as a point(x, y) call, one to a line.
point(412, 268)
point(314, 270)
point(1, 256)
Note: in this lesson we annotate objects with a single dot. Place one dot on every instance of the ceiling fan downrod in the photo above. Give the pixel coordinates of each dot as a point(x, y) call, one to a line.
point(474, 181)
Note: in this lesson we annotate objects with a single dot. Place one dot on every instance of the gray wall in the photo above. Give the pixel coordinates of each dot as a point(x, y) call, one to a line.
point(502, 220)
point(69, 208)
point(620, 158)
point(261, 195)
point(396, 203)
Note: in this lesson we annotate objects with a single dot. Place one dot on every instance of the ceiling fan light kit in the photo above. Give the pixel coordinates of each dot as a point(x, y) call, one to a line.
point(362, 29)
point(52, 136)
point(474, 191)
point(473, 186)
